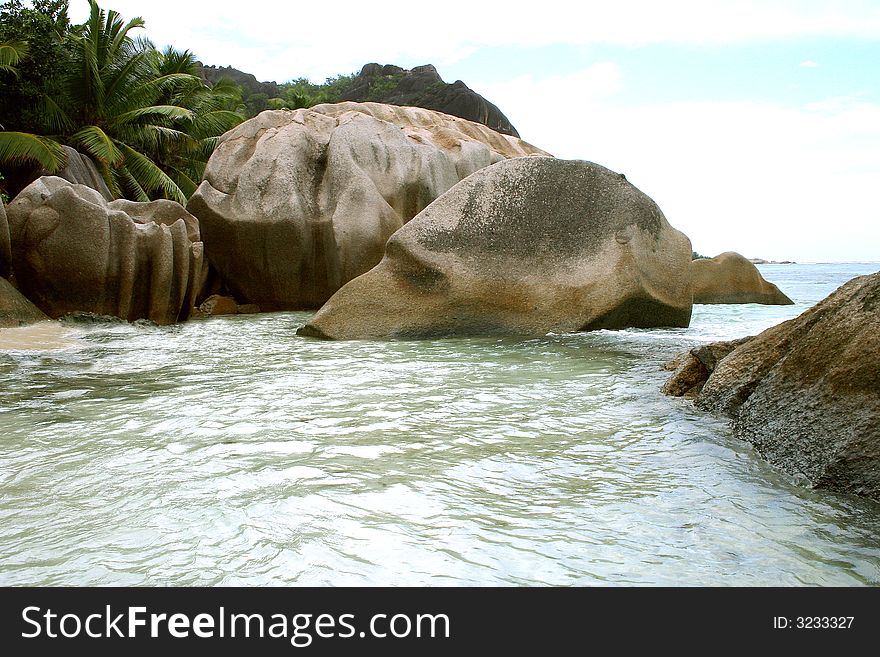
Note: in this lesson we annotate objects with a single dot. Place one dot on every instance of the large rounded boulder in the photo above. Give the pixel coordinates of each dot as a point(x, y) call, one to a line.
point(526, 246)
point(5, 245)
point(294, 204)
point(731, 278)
point(74, 251)
point(806, 393)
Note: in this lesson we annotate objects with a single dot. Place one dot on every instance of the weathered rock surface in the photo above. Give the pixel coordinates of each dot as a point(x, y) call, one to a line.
point(423, 87)
point(5, 245)
point(295, 204)
point(732, 278)
point(691, 369)
point(527, 246)
point(217, 304)
point(81, 170)
point(806, 393)
point(15, 309)
point(73, 251)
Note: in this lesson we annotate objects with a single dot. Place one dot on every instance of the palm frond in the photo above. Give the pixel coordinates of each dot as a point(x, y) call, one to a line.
point(18, 147)
point(11, 53)
point(55, 118)
point(215, 123)
point(132, 185)
point(149, 176)
point(187, 185)
point(167, 111)
point(99, 145)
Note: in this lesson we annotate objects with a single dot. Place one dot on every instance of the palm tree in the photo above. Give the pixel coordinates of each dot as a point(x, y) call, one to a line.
point(23, 146)
point(144, 117)
point(182, 147)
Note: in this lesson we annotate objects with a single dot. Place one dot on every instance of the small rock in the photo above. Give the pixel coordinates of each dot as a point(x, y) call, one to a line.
point(219, 305)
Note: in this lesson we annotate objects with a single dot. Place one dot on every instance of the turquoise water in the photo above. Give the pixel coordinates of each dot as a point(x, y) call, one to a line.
point(231, 451)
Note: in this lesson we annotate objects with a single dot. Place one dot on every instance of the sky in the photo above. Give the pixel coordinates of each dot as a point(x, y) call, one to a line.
point(755, 126)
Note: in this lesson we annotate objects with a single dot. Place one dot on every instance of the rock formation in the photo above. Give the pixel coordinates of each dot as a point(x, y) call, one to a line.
point(423, 87)
point(74, 251)
point(81, 170)
point(213, 74)
point(217, 304)
point(295, 204)
point(15, 310)
point(731, 278)
point(5, 245)
point(527, 246)
point(806, 393)
point(692, 369)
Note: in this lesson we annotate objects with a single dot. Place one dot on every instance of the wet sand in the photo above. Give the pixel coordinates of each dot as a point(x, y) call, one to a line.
point(41, 336)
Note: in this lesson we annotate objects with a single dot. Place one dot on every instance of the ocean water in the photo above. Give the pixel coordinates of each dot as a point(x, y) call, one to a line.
point(231, 451)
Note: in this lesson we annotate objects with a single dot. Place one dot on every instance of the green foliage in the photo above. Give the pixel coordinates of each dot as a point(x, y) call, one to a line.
point(145, 117)
point(382, 86)
point(697, 256)
point(26, 147)
point(37, 67)
point(302, 93)
point(334, 89)
point(11, 54)
point(256, 103)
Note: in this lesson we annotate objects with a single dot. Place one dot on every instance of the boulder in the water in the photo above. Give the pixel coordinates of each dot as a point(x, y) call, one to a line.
point(806, 393)
point(295, 204)
point(526, 246)
point(732, 278)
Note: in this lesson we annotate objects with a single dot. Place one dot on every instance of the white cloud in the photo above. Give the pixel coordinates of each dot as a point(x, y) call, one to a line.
point(759, 178)
point(276, 40)
point(808, 64)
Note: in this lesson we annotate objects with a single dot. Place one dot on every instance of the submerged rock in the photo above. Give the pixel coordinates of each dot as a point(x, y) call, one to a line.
point(217, 304)
point(527, 246)
point(73, 251)
point(15, 309)
point(806, 393)
point(732, 278)
point(296, 204)
point(691, 369)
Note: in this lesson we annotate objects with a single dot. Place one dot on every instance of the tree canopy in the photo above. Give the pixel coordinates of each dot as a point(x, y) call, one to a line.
point(145, 117)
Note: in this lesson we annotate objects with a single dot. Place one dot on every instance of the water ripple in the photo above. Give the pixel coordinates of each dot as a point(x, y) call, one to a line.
point(231, 451)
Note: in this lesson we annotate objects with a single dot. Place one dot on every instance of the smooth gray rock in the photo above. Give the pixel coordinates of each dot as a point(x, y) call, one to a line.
point(526, 246)
point(295, 204)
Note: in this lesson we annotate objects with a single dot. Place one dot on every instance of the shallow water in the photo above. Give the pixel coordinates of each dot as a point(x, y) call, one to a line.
point(231, 451)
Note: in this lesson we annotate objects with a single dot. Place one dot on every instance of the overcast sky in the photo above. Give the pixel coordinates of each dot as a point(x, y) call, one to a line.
point(754, 125)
